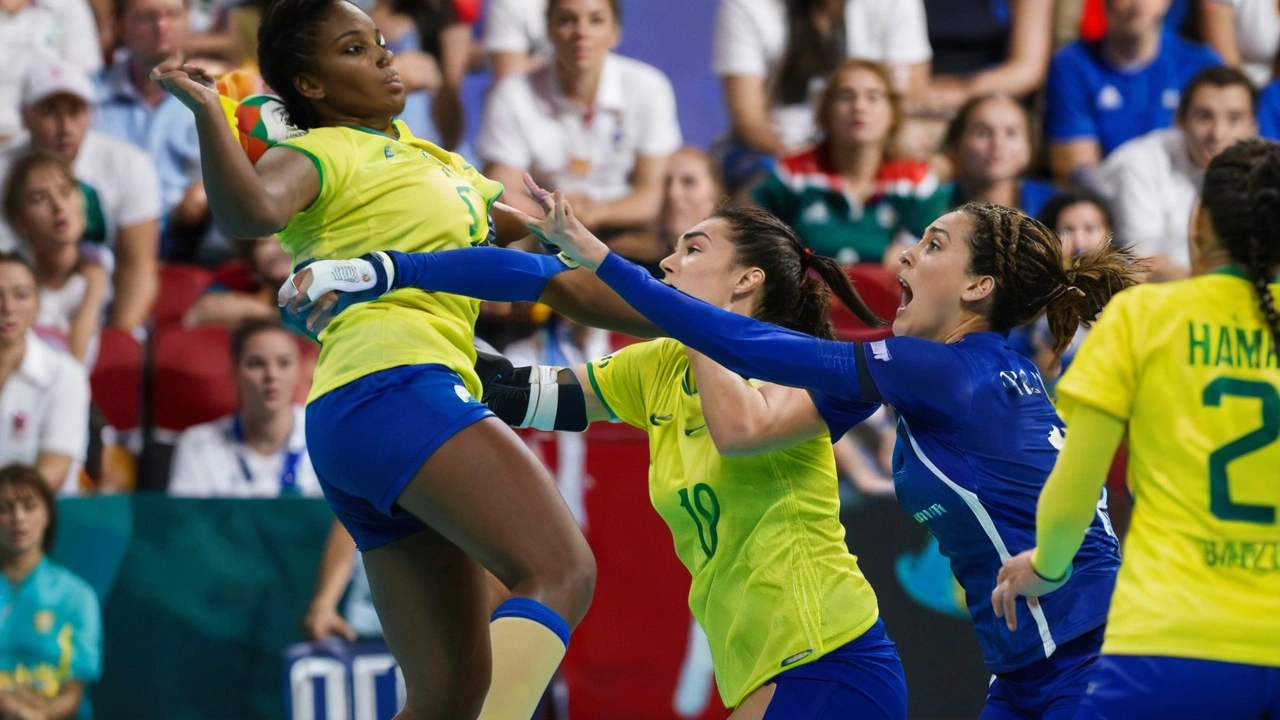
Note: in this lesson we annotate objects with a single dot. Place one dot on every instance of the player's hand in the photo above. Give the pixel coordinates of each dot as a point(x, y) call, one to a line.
point(194, 87)
point(1018, 578)
point(561, 228)
point(324, 288)
point(321, 623)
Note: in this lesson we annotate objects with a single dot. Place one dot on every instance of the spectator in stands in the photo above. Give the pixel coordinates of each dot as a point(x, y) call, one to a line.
point(1245, 33)
point(135, 108)
point(122, 203)
point(44, 203)
point(30, 29)
point(849, 198)
point(244, 289)
point(52, 624)
point(986, 46)
point(989, 142)
point(1269, 112)
point(596, 125)
point(773, 55)
point(1154, 180)
point(261, 449)
point(515, 36)
point(1101, 94)
point(44, 393)
point(432, 43)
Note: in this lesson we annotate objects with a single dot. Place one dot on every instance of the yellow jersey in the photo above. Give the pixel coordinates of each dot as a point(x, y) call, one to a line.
point(380, 193)
point(774, 585)
point(1192, 367)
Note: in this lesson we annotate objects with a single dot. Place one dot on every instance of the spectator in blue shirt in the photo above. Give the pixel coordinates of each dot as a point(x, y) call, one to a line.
point(50, 622)
point(134, 108)
point(1269, 112)
point(989, 144)
point(1122, 86)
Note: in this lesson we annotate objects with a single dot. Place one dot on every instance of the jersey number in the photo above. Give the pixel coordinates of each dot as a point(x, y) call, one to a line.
point(705, 507)
point(1220, 503)
point(463, 192)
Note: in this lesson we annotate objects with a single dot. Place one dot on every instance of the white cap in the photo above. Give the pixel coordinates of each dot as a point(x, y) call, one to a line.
point(47, 77)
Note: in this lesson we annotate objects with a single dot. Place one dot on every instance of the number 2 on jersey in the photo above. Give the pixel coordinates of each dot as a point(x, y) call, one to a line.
point(1220, 503)
point(705, 507)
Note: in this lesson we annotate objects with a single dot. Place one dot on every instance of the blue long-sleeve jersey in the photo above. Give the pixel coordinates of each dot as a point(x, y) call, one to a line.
point(977, 435)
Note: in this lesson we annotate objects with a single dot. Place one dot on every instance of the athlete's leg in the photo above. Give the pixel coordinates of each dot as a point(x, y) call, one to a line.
point(486, 492)
point(433, 600)
point(756, 704)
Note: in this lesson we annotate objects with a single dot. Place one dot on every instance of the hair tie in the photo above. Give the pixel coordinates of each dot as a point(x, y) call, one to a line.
point(806, 257)
point(1068, 289)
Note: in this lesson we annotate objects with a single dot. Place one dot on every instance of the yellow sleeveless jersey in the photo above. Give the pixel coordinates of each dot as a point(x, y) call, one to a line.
point(379, 193)
point(774, 585)
point(1192, 366)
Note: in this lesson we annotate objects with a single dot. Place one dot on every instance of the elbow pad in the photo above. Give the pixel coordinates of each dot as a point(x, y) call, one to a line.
point(534, 397)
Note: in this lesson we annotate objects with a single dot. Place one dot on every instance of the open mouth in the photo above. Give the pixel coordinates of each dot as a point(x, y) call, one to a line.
point(906, 294)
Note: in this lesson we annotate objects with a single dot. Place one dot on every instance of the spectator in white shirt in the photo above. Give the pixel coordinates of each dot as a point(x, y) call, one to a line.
point(43, 201)
point(1154, 180)
point(260, 450)
point(29, 29)
point(1246, 33)
point(44, 393)
point(772, 57)
point(596, 125)
point(515, 36)
point(119, 180)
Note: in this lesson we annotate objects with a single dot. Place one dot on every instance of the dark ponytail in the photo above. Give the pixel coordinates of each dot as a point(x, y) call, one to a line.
point(287, 40)
point(1242, 196)
point(1031, 276)
point(795, 293)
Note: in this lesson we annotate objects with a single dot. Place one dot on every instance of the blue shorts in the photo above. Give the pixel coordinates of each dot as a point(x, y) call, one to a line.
point(1050, 689)
point(1142, 687)
point(369, 437)
point(861, 679)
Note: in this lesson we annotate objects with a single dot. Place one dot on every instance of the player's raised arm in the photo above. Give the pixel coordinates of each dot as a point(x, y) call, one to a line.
point(248, 201)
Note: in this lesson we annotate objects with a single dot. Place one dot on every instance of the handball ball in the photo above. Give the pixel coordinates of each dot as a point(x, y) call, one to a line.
point(260, 123)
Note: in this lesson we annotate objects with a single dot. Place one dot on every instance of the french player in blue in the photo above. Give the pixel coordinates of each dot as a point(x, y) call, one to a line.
point(977, 433)
point(1269, 111)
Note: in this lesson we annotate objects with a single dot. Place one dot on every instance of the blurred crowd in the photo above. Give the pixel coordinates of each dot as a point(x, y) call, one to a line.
point(139, 343)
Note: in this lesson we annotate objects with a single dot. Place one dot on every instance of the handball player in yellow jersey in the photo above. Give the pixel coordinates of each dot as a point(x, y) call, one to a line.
point(793, 625)
point(1191, 367)
point(431, 485)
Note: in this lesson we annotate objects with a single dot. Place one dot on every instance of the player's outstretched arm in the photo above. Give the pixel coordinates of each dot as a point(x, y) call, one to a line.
point(247, 201)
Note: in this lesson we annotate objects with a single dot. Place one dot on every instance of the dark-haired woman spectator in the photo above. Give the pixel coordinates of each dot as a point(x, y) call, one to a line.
point(51, 625)
point(989, 142)
point(849, 198)
point(772, 57)
point(599, 126)
point(986, 46)
point(44, 205)
point(44, 392)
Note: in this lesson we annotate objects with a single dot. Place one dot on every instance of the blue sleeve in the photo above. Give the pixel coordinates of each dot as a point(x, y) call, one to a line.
point(1269, 112)
point(1068, 115)
point(484, 273)
point(747, 346)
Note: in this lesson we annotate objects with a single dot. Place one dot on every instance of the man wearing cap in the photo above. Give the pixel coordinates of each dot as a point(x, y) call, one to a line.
point(122, 194)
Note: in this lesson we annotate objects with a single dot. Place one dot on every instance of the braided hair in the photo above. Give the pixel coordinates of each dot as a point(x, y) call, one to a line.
point(1242, 196)
point(1032, 277)
point(794, 293)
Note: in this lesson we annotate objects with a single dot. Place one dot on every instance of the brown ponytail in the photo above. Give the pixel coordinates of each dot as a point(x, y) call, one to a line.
point(1242, 196)
point(1031, 276)
point(791, 295)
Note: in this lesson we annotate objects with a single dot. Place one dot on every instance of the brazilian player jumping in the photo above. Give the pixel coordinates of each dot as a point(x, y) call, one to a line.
point(793, 625)
point(431, 485)
point(1191, 367)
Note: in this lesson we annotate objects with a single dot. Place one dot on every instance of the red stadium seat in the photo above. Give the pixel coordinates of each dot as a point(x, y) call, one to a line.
point(180, 285)
point(881, 291)
point(116, 381)
point(191, 382)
